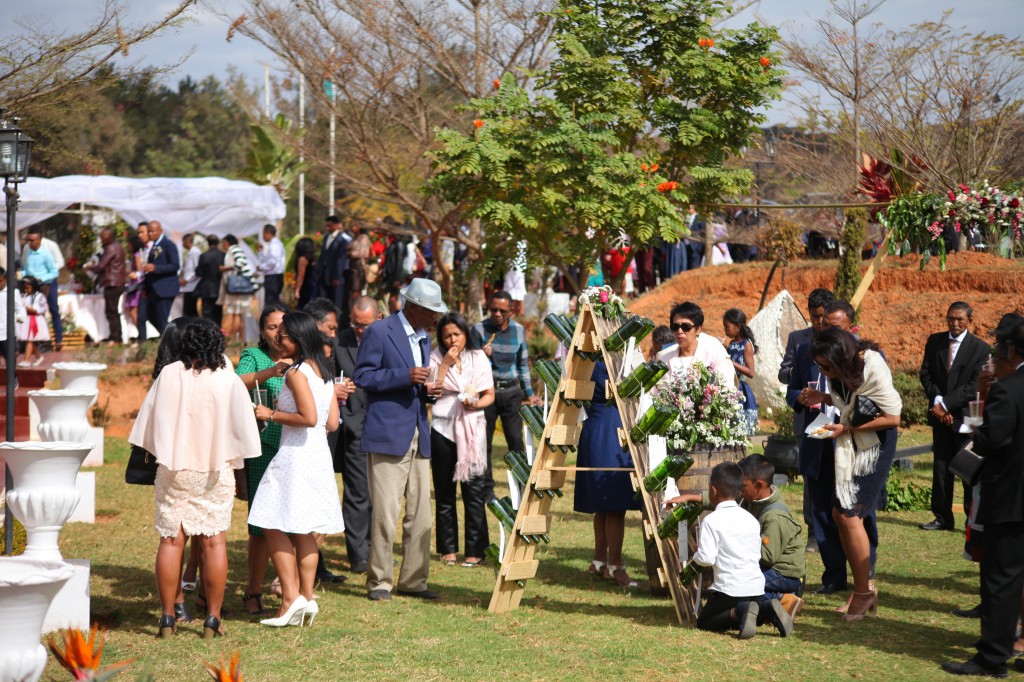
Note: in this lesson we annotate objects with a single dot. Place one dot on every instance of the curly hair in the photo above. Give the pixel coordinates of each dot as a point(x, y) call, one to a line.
point(202, 345)
point(169, 350)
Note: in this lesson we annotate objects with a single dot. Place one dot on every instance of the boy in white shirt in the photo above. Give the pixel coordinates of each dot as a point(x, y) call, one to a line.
point(730, 542)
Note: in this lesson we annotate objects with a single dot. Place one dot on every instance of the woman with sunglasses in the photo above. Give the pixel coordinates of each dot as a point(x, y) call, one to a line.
point(692, 344)
point(863, 453)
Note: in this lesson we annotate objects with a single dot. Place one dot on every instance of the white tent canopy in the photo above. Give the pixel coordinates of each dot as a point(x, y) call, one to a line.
point(207, 205)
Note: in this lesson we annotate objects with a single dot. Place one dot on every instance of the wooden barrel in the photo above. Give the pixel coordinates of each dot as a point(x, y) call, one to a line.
point(704, 460)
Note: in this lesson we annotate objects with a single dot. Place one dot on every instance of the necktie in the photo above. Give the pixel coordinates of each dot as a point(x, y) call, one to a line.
point(425, 350)
point(949, 365)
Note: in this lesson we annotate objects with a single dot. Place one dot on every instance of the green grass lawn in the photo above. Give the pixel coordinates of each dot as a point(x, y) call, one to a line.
point(569, 626)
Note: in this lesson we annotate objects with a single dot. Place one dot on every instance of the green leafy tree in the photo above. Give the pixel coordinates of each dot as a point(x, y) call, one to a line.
point(271, 160)
point(851, 243)
point(634, 117)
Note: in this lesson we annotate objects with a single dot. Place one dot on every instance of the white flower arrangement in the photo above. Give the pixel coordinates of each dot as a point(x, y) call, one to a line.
point(603, 301)
point(710, 413)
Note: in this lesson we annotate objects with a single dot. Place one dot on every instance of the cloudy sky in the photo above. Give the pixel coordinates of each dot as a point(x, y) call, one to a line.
point(204, 33)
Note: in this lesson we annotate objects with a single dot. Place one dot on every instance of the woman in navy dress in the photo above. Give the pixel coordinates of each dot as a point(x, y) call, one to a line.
point(605, 494)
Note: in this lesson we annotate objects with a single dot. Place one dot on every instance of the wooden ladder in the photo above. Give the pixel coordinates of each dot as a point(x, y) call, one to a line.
point(549, 472)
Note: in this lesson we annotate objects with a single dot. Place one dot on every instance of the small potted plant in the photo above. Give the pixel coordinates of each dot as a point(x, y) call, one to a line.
point(781, 448)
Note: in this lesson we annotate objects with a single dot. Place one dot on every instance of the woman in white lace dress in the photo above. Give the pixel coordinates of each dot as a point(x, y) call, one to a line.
point(298, 495)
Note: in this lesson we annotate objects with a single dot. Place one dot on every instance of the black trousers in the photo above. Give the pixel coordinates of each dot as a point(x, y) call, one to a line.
point(111, 297)
point(443, 456)
point(507, 402)
point(355, 500)
point(273, 285)
point(945, 444)
point(190, 304)
point(1002, 579)
point(158, 310)
point(212, 311)
point(715, 614)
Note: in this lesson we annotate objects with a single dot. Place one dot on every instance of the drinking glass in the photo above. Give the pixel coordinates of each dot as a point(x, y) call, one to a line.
point(340, 379)
point(814, 386)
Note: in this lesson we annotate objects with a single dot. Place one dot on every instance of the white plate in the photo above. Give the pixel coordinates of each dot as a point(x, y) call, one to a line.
point(821, 420)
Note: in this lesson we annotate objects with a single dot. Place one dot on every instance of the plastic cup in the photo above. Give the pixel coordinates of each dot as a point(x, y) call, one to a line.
point(975, 407)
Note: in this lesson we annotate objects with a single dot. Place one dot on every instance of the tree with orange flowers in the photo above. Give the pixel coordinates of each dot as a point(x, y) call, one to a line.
point(633, 119)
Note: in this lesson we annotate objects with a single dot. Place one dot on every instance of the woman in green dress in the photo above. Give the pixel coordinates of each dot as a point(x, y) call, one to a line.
point(261, 367)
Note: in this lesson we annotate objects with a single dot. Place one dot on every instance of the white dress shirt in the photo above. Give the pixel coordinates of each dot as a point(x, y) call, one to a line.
point(709, 351)
point(188, 271)
point(954, 347)
point(730, 541)
point(414, 339)
point(271, 258)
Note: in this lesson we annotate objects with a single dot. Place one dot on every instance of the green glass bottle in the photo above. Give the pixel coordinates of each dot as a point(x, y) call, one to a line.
point(506, 502)
point(648, 328)
point(492, 553)
point(689, 573)
point(682, 512)
point(569, 325)
point(521, 474)
point(506, 517)
point(618, 339)
point(660, 370)
point(664, 421)
point(655, 416)
point(520, 459)
point(533, 420)
point(673, 466)
point(631, 386)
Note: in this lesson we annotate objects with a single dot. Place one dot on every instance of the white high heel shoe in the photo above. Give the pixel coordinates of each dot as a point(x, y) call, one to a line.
point(295, 614)
point(310, 613)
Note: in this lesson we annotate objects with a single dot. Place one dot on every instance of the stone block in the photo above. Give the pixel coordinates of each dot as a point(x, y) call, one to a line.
point(70, 608)
point(85, 512)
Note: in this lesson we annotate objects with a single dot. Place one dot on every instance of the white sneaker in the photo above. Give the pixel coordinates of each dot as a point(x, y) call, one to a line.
point(24, 363)
point(38, 361)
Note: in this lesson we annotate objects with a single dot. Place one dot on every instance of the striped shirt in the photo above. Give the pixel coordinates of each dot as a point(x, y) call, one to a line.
point(239, 263)
point(510, 356)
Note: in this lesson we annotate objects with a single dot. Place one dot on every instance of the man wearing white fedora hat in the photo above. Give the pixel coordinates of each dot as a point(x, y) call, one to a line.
point(391, 367)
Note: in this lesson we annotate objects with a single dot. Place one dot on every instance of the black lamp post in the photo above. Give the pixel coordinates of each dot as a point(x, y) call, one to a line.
point(15, 149)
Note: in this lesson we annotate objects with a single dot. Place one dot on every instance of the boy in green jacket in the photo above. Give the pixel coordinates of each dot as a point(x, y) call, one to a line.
point(782, 547)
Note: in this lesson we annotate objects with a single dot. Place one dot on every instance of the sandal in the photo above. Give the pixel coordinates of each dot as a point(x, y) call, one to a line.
point(258, 597)
point(449, 559)
point(181, 614)
point(189, 586)
point(621, 577)
point(474, 563)
point(598, 569)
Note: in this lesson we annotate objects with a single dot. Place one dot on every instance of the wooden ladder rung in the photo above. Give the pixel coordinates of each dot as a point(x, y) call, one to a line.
point(576, 468)
point(535, 524)
point(520, 570)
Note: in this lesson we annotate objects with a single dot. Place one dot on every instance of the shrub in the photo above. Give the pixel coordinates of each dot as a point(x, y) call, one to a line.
point(915, 402)
point(851, 241)
point(906, 495)
point(20, 539)
point(781, 238)
point(542, 345)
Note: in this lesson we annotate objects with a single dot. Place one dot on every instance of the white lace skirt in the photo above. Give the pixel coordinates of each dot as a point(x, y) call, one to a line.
point(199, 502)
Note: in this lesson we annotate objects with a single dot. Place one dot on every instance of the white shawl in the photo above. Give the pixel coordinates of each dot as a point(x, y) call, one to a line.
point(857, 451)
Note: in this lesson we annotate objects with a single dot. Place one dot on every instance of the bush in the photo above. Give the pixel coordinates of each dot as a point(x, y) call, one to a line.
point(915, 402)
point(20, 539)
point(906, 495)
point(781, 238)
point(541, 343)
point(851, 242)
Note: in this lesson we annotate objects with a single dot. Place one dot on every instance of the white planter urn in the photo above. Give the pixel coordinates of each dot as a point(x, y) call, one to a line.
point(63, 414)
point(27, 587)
point(79, 376)
point(44, 493)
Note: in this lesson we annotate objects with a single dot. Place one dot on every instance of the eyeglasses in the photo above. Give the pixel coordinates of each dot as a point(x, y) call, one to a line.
point(356, 325)
point(825, 367)
point(687, 327)
point(501, 311)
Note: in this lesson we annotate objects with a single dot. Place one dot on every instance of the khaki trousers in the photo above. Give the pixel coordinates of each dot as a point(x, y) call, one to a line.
point(390, 479)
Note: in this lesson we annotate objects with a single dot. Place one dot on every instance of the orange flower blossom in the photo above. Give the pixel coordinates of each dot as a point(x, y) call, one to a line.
point(80, 657)
point(478, 123)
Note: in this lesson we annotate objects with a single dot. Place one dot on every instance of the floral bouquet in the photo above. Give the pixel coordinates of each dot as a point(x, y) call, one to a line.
point(709, 412)
point(603, 301)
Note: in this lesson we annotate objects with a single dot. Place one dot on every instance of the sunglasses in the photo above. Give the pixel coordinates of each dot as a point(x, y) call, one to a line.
point(825, 367)
point(503, 311)
point(685, 326)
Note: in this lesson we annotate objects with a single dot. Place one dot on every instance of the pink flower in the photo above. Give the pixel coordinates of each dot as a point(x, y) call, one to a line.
point(603, 297)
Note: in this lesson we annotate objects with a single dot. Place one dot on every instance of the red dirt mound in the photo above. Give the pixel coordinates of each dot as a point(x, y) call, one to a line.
point(903, 306)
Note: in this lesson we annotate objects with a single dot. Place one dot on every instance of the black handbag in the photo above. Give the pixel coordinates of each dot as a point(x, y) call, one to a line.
point(141, 467)
point(864, 410)
point(239, 284)
point(967, 465)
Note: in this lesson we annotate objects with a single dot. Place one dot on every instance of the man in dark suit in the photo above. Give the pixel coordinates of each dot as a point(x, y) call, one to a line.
point(209, 274)
point(349, 460)
point(949, 375)
point(392, 367)
point(1000, 440)
point(332, 264)
point(816, 302)
point(161, 279)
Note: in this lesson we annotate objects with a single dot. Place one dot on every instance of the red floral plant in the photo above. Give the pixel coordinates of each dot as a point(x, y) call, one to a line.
point(765, 62)
point(876, 182)
point(668, 186)
point(706, 43)
point(229, 673)
point(478, 123)
point(497, 83)
point(80, 657)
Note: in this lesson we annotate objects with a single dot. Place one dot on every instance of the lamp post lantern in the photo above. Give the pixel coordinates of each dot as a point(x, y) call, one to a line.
point(15, 151)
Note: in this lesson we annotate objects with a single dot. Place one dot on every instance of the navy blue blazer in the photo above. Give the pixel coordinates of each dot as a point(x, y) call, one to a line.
point(163, 281)
point(395, 408)
point(333, 262)
point(800, 336)
point(804, 371)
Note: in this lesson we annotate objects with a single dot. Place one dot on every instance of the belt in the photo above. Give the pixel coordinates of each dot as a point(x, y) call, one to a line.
point(506, 384)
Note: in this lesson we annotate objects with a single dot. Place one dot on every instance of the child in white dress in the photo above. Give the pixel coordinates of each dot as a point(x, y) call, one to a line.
point(31, 310)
